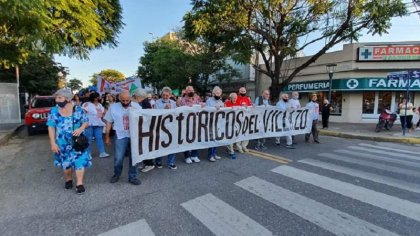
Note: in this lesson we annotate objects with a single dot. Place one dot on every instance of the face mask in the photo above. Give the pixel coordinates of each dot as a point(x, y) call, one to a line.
point(243, 94)
point(216, 97)
point(125, 105)
point(61, 104)
point(285, 100)
point(191, 94)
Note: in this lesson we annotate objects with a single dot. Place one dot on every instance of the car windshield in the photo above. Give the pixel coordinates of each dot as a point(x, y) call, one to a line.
point(43, 102)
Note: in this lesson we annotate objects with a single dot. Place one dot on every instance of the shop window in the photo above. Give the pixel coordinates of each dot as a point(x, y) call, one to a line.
point(336, 101)
point(384, 101)
point(399, 96)
point(368, 102)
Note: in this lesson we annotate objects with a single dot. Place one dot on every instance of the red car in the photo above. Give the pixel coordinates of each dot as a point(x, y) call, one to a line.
point(37, 115)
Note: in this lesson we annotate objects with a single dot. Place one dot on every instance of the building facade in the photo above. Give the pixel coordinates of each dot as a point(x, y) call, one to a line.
point(362, 85)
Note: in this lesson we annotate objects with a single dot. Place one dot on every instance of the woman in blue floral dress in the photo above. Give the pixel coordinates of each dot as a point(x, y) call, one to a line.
point(60, 130)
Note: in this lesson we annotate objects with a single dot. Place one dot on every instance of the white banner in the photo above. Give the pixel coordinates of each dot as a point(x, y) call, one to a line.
point(104, 86)
point(155, 133)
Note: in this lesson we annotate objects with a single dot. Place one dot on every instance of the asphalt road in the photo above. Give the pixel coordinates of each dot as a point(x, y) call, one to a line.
point(338, 187)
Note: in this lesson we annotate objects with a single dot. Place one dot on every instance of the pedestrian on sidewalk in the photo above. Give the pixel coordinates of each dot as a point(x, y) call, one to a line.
point(65, 121)
point(263, 100)
point(166, 103)
point(95, 112)
point(143, 100)
point(117, 118)
point(406, 117)
point(190, 99)
point(214, 101)
point(313, 107)
point(284, 106)
point(325, 111)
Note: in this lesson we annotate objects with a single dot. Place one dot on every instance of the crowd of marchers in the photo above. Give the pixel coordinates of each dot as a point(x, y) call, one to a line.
point(104, 120)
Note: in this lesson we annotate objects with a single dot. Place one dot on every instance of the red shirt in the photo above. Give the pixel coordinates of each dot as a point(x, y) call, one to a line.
point(228, 103)
point(244, 101)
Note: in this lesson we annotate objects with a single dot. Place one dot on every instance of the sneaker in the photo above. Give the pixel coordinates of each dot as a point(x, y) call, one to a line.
point(316, 141)
point(217, 157)
point(195, 159)
point(263, 148)
point(257, 148)
point(158, 165)
point(172, 167)
point(104, 155)
point(147, 169)
point(232, 156)
point(114, 179)
point(188, 160)
point(68, 184)
point(211, 159)
point(134, 181)
point(418, 128)
point(80, 189)
point(278, 143)
point(240, 150)
point(290, 147)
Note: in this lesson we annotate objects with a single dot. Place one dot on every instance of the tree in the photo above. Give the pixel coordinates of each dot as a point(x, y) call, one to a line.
point(278, 30)
point(109, 75)
point(40, 75)
point(75, 84)
point(70, 28)
point(178, 63)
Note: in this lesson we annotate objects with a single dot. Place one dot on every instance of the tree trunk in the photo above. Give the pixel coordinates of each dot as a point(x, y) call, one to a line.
point(275, 90)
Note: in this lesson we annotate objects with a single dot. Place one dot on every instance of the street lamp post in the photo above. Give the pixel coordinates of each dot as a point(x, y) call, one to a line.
point(330, 70)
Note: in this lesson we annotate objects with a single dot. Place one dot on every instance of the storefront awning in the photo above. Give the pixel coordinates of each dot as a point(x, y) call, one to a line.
point(355, 84)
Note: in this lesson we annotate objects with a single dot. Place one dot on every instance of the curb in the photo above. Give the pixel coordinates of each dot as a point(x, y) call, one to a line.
point(10, 134)
point(371, 138)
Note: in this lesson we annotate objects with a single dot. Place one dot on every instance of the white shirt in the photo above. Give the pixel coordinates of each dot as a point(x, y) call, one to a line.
point(94, 113)
point(294, 103)
point(118, 115)
point(314, 107)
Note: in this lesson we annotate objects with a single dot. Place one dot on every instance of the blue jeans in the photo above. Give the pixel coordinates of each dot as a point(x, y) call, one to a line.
point(121, 147)
point(95, 131)
point(212, 152)
point(192, 153)
point(169, 161)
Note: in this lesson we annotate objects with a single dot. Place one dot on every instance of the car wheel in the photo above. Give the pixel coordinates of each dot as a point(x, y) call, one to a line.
point(31, 131)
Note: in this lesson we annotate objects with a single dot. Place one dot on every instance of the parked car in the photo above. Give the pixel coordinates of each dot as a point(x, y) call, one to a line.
point(37, 114)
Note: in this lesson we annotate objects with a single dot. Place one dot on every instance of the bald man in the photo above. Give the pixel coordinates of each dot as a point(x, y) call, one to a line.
point(117, 118)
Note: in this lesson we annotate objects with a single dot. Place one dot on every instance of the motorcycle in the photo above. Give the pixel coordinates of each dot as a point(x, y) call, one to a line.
point(386, 120)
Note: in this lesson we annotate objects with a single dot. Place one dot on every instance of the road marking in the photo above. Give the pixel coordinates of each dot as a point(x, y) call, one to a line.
point(393, 154)
point(389, 148)
point(328, 218)
point(222, 219)
point(381, 200)
point(364, 175)
point(381, 158)
point(371, 164)
point(136, 228)
point(270, 157)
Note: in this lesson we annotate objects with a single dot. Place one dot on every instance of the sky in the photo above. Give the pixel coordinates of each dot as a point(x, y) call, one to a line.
point(147, 20)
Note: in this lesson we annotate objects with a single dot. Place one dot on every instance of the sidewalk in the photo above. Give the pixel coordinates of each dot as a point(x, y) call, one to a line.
point(367, 132)
point(8, 130)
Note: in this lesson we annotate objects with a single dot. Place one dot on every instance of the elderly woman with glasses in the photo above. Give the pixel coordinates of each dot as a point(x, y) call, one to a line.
point(65, 121)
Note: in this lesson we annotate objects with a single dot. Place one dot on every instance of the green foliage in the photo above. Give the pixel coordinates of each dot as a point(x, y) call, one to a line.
point(178, 63)
point(75, 84)
point(110, 75)
point(38, 76)
point(70, 28)
point(279, 29)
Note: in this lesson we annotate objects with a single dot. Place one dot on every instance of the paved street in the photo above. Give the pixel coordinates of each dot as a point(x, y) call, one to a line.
point(342, 187)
